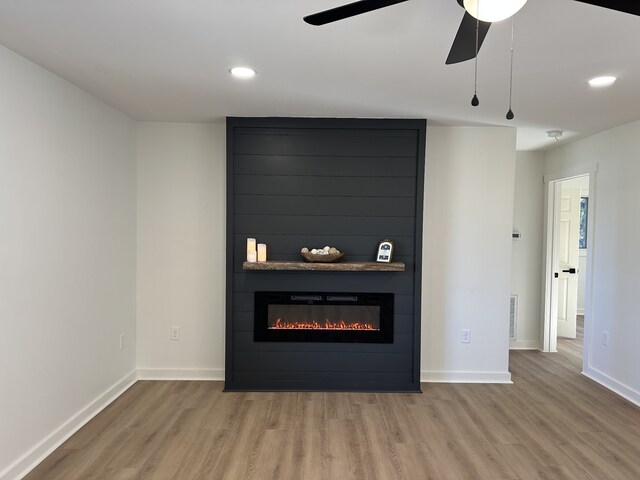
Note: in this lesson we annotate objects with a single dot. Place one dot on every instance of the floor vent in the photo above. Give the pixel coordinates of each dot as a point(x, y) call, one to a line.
point(513, 317)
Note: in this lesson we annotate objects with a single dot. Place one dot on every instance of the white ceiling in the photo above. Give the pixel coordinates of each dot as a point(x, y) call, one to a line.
point(168, 60)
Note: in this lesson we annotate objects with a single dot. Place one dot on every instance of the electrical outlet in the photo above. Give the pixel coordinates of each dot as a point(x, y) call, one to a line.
point(175, 333)
point(465, 335)
point(605, 338)
point(121, 341)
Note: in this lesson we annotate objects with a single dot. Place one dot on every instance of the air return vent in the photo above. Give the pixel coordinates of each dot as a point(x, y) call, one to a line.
point(513, 317)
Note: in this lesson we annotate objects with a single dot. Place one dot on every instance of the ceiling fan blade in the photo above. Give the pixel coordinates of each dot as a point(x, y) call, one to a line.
point(349, 10)
point(627, 6)
point(464, 45)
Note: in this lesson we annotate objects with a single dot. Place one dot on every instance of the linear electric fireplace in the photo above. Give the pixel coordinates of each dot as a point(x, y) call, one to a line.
point(323, 317)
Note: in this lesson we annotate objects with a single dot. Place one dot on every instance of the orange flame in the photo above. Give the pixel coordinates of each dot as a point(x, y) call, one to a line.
point(281, 324)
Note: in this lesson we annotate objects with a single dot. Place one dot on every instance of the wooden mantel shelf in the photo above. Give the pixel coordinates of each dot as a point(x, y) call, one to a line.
point(325, 267)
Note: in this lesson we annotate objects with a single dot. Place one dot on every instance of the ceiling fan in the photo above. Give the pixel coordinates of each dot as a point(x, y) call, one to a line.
point(464, 45)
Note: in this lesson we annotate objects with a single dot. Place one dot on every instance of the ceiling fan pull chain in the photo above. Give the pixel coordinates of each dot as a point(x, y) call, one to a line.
point(510, 114)
point(474, 101)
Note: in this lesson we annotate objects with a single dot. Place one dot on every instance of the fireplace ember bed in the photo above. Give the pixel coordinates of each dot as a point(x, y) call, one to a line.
point(323, 317)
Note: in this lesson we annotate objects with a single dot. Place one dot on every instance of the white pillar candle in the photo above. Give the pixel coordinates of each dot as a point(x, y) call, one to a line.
point(262, 252)
point(251, 256)
point(251, 245)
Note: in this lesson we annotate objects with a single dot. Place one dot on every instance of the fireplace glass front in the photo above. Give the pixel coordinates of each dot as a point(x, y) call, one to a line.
point(323, 317)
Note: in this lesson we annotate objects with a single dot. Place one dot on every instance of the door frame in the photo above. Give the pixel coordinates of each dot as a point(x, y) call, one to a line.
point(553, 188)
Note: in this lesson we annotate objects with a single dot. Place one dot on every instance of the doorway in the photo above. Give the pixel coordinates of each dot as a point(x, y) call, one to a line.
point(569, 205)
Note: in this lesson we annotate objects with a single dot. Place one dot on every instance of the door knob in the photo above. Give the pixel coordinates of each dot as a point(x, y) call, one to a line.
point(570, 270)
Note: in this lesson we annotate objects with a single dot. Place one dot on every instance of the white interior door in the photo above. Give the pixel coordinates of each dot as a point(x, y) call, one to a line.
point(568, 257)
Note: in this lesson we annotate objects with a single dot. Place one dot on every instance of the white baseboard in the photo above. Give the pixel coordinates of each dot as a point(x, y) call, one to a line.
point(33, 457)
point(465, 377)
point(619, 388)
point(181, 374)
point(524, 345)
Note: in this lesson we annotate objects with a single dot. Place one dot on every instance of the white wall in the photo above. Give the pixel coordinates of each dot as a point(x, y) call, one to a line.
point(468, 218)
point(526, 265)
point(67, 258)
point(616, 262)
point(181, 249)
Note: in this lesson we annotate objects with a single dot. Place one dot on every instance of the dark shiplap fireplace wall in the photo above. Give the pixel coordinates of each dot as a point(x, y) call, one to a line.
point(349, 183)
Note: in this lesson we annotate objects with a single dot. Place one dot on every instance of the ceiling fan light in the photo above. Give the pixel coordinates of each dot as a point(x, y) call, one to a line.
point(493, 10)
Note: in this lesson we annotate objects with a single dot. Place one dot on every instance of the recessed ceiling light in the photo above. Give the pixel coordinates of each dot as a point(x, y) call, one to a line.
point(602, 81)
point(243, 72)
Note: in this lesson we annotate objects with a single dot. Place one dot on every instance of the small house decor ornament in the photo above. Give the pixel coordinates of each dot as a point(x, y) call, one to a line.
point(385, 251)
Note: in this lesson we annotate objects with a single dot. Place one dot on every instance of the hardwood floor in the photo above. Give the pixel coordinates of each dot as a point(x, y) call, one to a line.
point(573, 347)
point(552, 423)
